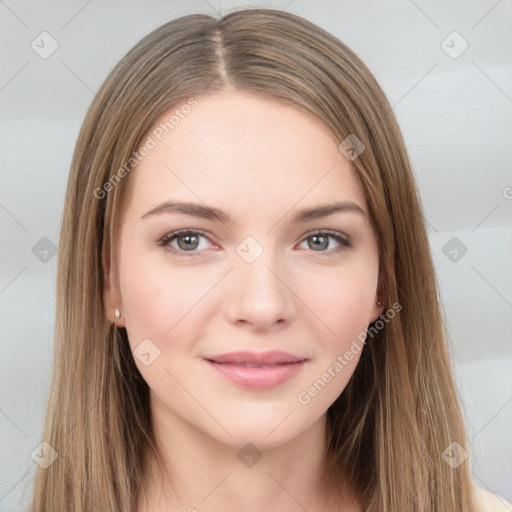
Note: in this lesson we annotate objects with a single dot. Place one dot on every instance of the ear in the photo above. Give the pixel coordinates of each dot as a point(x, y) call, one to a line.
point(376, 309)
point(111, 294)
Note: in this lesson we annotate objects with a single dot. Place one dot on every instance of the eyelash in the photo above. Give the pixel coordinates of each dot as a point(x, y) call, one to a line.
point(345, 242)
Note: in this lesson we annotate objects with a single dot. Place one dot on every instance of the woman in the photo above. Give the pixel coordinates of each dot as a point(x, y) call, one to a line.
point(247, 308)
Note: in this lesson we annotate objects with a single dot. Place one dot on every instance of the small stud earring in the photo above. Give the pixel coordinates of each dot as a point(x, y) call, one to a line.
point(117, 313)
point(379, 303)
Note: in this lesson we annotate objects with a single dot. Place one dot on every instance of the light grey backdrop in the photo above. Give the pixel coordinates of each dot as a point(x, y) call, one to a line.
point(446, 68)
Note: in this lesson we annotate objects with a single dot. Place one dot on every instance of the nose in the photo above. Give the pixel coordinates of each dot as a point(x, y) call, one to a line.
point(257, 292)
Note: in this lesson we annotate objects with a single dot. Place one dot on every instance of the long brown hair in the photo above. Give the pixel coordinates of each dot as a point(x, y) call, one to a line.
point(400, 410)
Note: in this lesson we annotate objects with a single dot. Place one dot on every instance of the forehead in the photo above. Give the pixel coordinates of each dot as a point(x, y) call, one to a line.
point(239, 150)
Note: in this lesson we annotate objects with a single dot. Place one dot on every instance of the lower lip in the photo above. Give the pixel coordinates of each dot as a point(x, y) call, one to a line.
point(258, 378)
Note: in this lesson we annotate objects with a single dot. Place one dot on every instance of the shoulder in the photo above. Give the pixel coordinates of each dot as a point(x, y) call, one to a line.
point(489, 502)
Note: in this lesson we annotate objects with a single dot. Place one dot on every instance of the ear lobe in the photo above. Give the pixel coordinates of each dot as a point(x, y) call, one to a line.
point(110, 291)
point(376, 310)
point(109, 302)
point(378, 305)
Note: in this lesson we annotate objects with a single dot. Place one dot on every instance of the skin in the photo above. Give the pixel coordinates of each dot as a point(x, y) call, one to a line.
point(261, 162)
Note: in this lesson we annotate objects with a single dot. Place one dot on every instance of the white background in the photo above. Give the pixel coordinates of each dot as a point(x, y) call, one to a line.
point(455, 114)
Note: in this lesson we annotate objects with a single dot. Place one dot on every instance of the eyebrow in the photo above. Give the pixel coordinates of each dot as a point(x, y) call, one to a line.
point(215, 214)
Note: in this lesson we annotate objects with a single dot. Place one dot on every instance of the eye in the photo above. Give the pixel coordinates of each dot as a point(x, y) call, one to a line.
point(188, 241)
point(320, 241)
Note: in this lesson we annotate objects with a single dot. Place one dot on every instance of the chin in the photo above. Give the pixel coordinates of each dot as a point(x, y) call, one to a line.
point(243, 438)
point(264, 433)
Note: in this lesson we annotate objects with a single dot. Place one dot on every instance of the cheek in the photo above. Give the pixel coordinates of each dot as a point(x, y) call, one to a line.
point(341, 299)
point(159, 305)
point(341, 305)
point(159, 299)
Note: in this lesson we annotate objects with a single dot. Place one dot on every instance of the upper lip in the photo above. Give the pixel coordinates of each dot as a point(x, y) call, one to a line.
point(269, 357)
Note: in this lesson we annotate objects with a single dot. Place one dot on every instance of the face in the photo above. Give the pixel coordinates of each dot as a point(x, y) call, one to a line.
point(256, 275)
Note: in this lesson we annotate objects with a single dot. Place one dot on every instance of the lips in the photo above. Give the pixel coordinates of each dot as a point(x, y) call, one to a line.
point(255, 359)
point(257, 371)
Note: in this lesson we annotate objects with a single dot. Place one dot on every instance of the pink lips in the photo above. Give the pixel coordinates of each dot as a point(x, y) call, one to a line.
point(257, 370)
